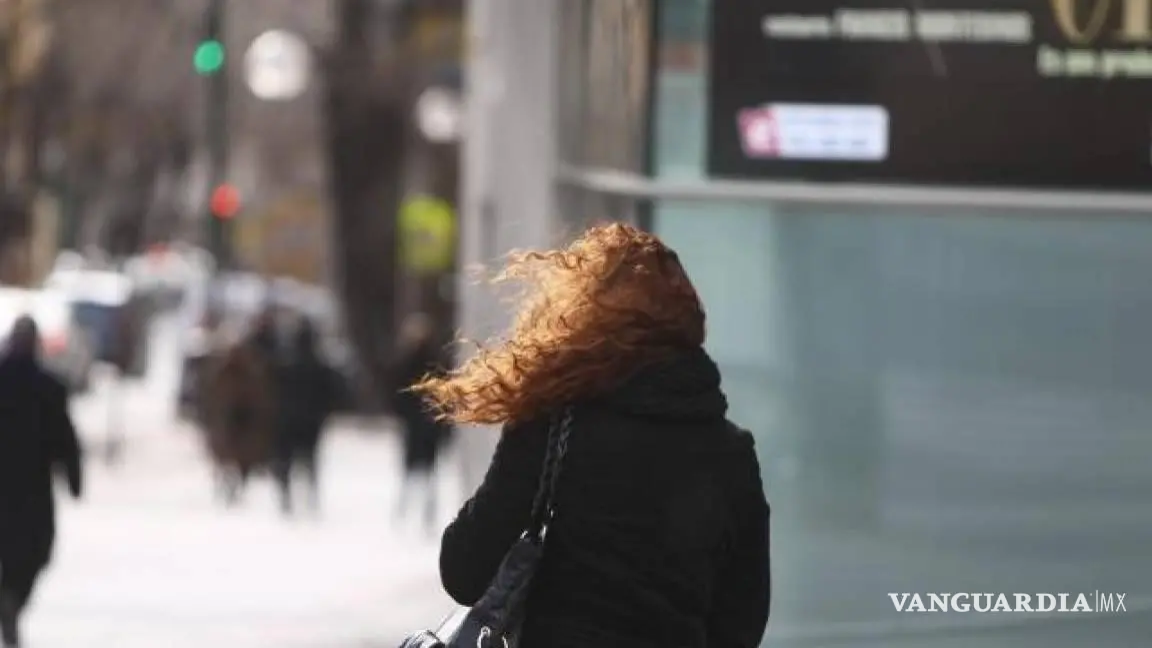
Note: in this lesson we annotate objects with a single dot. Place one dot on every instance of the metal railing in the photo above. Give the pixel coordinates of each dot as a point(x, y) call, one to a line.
point(634, 185)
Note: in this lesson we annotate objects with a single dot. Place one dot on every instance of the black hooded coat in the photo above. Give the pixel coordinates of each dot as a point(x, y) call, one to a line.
point(661, 532)
point(37, 440)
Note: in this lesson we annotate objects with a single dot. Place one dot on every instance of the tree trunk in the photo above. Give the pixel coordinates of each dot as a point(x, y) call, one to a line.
point(365, 129)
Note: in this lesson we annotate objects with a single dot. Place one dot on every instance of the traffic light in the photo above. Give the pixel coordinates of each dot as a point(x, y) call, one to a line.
point(211, 62)
point(209, 57)
point(225, 202)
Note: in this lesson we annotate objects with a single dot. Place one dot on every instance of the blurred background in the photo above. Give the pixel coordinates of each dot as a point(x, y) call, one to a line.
point(940, 349)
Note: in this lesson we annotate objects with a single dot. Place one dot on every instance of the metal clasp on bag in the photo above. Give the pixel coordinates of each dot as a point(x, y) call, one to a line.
point(538, 536)
point(485, 634)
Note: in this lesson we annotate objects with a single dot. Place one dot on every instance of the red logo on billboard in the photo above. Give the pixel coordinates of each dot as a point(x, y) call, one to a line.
point(759, 132)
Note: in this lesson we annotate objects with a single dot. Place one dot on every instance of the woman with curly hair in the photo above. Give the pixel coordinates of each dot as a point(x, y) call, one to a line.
point(660, 536)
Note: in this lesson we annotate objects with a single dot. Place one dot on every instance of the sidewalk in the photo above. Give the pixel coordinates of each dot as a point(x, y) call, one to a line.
point(148, 559)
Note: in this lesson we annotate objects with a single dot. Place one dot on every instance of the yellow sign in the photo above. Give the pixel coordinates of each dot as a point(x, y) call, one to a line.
point(427, 228)
point(439, 34)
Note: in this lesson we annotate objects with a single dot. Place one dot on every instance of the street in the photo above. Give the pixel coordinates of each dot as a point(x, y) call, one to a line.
point(149, 559)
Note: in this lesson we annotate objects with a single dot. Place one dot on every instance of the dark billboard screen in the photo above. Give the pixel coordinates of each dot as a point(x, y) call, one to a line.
point(1045, 94)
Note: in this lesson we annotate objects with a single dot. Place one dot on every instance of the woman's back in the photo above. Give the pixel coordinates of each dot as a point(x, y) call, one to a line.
point(660, 535)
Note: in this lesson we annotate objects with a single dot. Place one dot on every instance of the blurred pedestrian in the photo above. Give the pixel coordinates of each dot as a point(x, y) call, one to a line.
point(238, 405)
point(656, 518)
point(263, 338)
point(129, 352)
point(36, 438)
point(423, 434)
point(306, 397)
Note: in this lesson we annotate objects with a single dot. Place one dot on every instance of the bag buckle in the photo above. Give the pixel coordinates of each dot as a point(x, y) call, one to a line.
point(482, 640)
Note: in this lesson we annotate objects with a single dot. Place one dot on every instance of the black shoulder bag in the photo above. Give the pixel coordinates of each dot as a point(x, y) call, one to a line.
point(495, 620)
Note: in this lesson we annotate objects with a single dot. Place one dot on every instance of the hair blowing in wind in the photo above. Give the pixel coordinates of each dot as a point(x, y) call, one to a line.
point(587, 316)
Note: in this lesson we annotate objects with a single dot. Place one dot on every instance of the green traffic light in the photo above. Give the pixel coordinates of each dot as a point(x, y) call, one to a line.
point(209, 57)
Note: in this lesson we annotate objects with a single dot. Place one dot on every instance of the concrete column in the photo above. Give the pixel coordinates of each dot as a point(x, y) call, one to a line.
point(509, 154)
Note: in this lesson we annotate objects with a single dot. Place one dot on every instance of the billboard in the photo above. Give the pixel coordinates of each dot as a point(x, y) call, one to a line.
point(1040, 94)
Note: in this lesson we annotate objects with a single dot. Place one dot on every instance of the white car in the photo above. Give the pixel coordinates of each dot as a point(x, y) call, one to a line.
point(66, 349)
point(101, 302)
point(168, 273)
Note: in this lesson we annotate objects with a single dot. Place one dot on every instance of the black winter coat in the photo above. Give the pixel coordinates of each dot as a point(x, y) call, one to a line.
point(661, 530)
point(36, 438)
point(306, 394)
point(423, 435)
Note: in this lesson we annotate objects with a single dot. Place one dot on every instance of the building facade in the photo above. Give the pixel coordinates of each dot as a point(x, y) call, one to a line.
point(949, 384)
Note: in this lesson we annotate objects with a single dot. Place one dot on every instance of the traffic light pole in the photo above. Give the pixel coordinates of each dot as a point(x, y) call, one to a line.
point(216, 133)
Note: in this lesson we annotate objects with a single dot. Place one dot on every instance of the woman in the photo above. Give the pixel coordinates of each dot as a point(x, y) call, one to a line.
point(37, 440)
point(238, 400)
point(661, 529)
point(423, 434)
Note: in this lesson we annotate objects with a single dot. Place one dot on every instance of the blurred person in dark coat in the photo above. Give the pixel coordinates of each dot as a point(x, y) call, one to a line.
point(420, 355)
point(238, 402)
point(306, 398)
point(131, 349)
point(37, 437)
point(263, 338)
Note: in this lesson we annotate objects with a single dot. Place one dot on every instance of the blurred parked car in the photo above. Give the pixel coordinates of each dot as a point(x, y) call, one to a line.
point(166, 273)
point(115, 315)
point(67, 349)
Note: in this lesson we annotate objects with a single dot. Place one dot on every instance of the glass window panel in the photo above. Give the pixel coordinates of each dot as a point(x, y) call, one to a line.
point(572, 89)
point(679, 87)
point(605, 82)
point(581, 208)
point(618, 72)
point(943, 402)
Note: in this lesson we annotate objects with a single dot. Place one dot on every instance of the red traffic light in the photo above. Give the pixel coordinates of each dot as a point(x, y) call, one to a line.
point(225, 201)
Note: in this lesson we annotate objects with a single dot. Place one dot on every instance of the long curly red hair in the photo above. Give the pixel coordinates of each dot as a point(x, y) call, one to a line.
point(587, 316)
